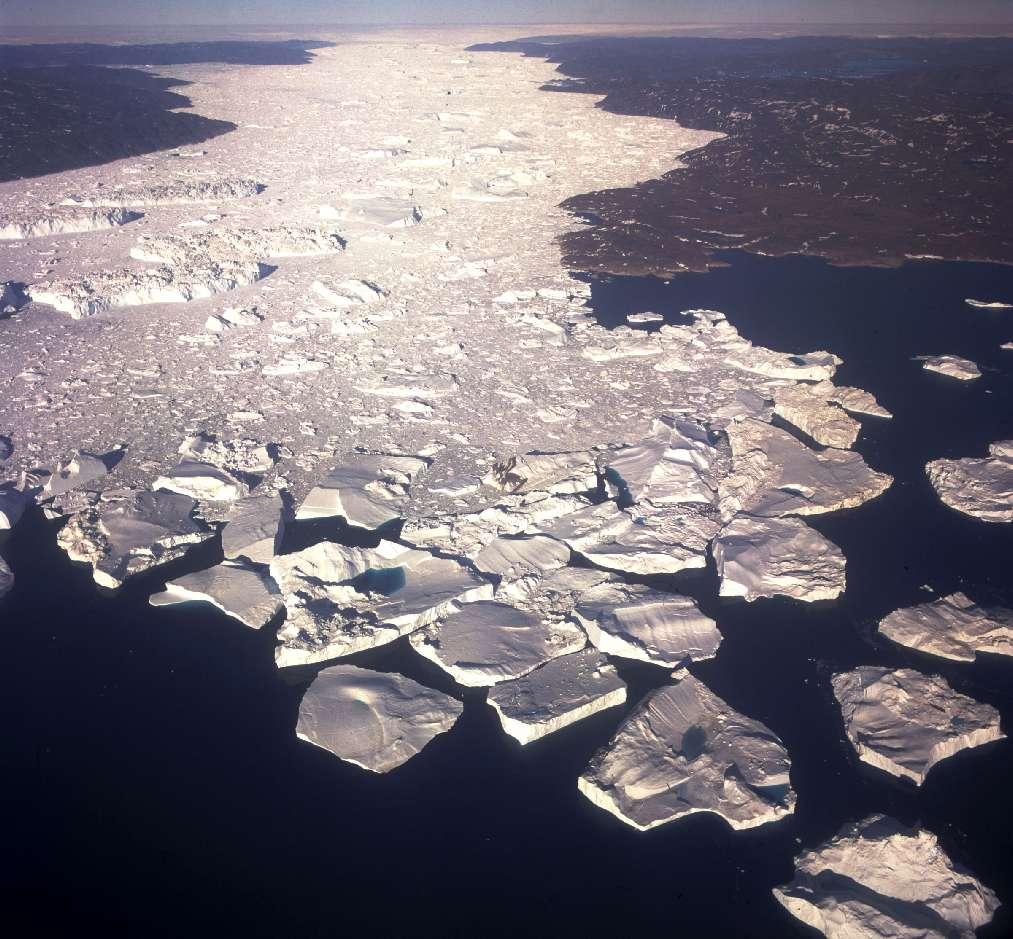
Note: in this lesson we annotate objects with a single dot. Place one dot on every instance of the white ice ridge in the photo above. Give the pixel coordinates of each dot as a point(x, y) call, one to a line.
point(238, 591)
point(904, 722)
point(343, 600)
point(367, 490)
point(6, 578)
point(190, 267)
point(131, 531)
point(879, 879)
point(990, 304)
point(376, 720)
point(684, 750)
point(952, 365)
point(766, 557)
point(181, 192)
point(952, 627)
point(557, 694)
point(61, 221)
point(978, 486)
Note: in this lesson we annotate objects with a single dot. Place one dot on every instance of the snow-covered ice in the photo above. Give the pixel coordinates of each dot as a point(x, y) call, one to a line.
point(766, 557)
point(879, 879)
point(202, 481)
point(238, 591)
point(952, 627)
point(376, 720)
point(684, 750)
point(254, 528)
point(557, 694)
point(904, 722)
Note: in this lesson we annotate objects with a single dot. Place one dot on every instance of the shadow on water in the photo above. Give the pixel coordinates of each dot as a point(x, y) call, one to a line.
point(60, 109)
point(152, 780)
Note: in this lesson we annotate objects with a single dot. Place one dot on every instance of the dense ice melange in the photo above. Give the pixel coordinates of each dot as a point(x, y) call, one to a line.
point(951, 365)
point(202, 481)
point(636, 622)
point(182, 191)
point(546, 472)
point(129, 531)
point(6, 578)
point(60, 221)
point(376, 720)
point(254, 528)
point(904, 722)
point(486, 642)
point(343, 600)
point(774, 474)
point(510, 557)
point(766, 557)
point(684, 750)
point(811, 409)
point(367, 490)
point(238, 591)
point(557, 694)
point(952, 627)
point(978, 486)
point(879, 879)
point(675, 465)
point(641, 539)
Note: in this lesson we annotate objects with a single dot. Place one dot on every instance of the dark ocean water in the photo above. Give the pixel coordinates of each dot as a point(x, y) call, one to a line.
point(152, 782)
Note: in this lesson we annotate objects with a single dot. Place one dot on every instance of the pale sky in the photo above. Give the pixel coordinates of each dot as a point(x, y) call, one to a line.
point(58, 13)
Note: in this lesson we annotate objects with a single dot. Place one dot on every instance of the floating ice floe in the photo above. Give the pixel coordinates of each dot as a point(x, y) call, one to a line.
point(766, 557)
point(180, 192)
point(6, 578)
point(522, 556)
point(367, 490)
point(557, 473)
point(202, 481)
point(879, 879)
point(557, 694)
point(990, 304)
point(684, 750)
point(130, 532)
point(952, 627)
point(636, 622)
point(343, 600)
point(77, 470)
point(856, 401)
point(254, 528)
point(904, 722)
point(978, 486)
point(810, 408)
point(662, 541)
point(61, 221)
point(486, 642)
point(809, 366)
point(644, 319)
point(238, 591)
point(774, 474)
point(951, 365)
point(376, 720)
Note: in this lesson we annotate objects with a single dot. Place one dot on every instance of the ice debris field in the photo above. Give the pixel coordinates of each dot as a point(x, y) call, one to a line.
point(362, 318)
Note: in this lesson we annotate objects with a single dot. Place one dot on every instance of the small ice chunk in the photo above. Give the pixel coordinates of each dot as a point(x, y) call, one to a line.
point(238, 591)
point(952, 627)
point(773, 474)
point(953, 366)
point(767, 557)
point(878, 879)
point(642, 319)
point(636, 622)
point(6, 578)
point(557, 473)
point(684, 750)
point(978, 486)
point(376, 720)
point(904, 722)
point(557, 694)
point(367, 490)
point(486, 642)
point(132, 533)
point(344, 600)
point(254, 528)
point(989, 304)
point(202, 481)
